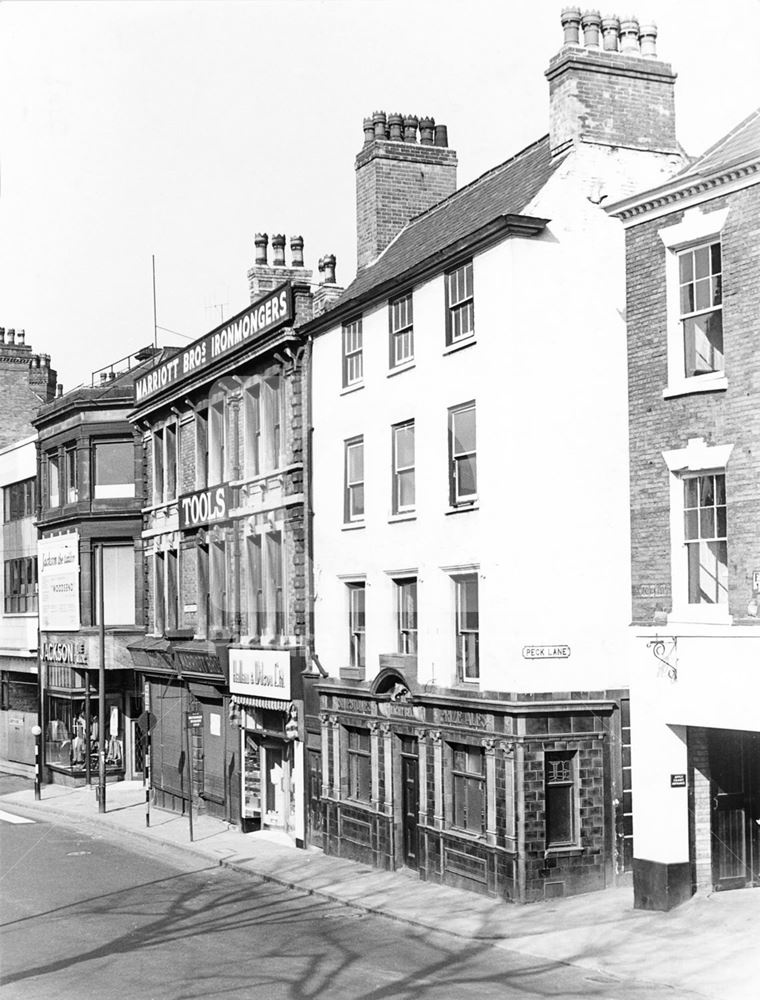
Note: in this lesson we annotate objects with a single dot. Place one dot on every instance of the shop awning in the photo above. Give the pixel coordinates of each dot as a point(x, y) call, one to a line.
point(152, 654)
point(248, 701)
point(201, 658)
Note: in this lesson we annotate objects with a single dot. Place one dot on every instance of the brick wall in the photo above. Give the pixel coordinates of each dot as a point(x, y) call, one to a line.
point(394, 182)
point(608, 97)
point(24, 387)
point(728, 417)
point(700, 847)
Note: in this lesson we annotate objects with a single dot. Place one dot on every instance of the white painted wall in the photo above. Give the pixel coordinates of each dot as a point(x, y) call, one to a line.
point(716, 684)
point(18, 633)
point(550, 536)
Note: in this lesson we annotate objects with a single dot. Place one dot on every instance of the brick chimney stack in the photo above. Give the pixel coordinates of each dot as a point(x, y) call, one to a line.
point(608, 87)
point(398, 175)
point(26, 382)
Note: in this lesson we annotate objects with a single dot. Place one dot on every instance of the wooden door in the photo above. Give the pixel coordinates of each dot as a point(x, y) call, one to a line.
point(730, 821)
point(410, 795)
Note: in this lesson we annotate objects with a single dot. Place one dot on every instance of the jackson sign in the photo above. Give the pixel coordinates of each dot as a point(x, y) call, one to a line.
point(269, 312)
point(260, 673)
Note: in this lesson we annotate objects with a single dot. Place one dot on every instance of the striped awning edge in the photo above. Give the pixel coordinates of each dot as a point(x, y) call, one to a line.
point(248, 701)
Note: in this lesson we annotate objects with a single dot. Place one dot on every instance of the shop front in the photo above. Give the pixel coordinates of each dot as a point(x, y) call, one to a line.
point(511, 797)
point(71, 712)
point(266, 693)
point(190, 764)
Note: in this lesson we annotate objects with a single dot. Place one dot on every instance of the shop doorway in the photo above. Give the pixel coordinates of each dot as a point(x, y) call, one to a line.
point(735, 808)
point(410, 799)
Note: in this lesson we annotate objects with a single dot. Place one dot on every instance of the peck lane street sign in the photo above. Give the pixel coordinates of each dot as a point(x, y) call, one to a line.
point(546, 652)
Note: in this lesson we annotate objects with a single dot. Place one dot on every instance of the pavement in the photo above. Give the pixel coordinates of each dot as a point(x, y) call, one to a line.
point(709, 945)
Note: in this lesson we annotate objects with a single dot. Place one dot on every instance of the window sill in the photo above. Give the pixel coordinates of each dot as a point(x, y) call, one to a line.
point(353, 526)
point(351, 673)
point(462, 508)
point(459, 345)
point(697, 384)
point(354, 387)
point(571, 851)
point(474, 838)
point(407, 516)
point(405, 366)
point(700, 614)
point(468, 685)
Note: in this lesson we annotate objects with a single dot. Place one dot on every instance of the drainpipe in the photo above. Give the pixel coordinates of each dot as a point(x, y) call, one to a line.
point(520, 790)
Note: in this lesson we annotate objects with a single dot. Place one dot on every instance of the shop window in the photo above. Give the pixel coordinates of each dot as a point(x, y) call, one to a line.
point(701, 310)
point(468, 789)
point(353, 353)
point(401, 322)
point(463, 473)
point(217, 445)
point(359, 764)
point(460, 304)
point(273, 413)
point(71, 486)
point(403, 467)
point(201, 447)
point(467, 627)
point(560, 798)
point(694, 286)
point(204, 593)
point(353, 492)
point(20, 585)
point(253, 444)
point(113, 469)
point(356, 625)
point(71, 736)
point(406, 615)
point(705, 538)
point(166, 591)
point(18, 500)
point(118, 585)
point(217, 604)
point(53, 466)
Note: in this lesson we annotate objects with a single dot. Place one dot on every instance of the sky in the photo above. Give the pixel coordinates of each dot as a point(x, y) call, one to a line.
point(178, 130)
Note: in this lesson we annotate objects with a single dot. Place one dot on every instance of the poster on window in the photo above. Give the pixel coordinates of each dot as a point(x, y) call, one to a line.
point(58, 569)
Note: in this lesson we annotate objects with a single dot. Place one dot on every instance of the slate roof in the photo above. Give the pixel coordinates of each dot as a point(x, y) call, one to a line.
point(504, 190)
point(741, 143)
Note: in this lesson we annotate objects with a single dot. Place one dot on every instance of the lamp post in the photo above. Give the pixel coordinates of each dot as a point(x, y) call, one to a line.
point(101, 688)
point(37, 733)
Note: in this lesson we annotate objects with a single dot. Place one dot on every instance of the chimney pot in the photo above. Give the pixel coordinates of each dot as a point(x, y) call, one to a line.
point(648, 40)
point(2, 334)
point(44, 360)
point(441, 136)
point(396, 128)
point(261, 241)
point(278, 250)
point(21, 337)
point(571, 22)
point(296, 251)
point(378, 120)
point(59, 390)
point(427, 127)
point(410, 128)
point(12, 336)
point(34, 361)
point(591, 22)
point(329, 268)
point(610, 33)
point(369, 130)
point(629, 35)
point(103, 377)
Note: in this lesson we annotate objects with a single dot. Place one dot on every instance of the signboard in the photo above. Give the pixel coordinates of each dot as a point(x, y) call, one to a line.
point(260, 673)
point(207, 506)
point(58, 572)
point(652, 590)
point(678, 781)
point(268, 313)
point(195, 720)
point(546, 652)
point(71, 652)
